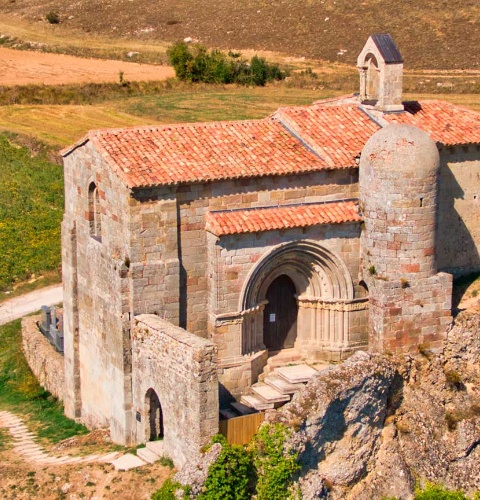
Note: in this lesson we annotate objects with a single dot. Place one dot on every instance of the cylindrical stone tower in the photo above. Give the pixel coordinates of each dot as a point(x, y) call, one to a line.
point(398, 192)
point(398, 187)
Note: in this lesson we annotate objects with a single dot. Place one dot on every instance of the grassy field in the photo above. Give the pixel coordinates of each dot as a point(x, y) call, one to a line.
point(31, 207)
point(20, 392)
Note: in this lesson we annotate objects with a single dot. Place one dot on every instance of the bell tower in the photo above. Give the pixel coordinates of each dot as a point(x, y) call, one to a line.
point(380, 65)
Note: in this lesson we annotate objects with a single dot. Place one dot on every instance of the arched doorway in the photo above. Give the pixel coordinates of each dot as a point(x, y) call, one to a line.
point(280, 314)
point(314, 288)
point(154, 429)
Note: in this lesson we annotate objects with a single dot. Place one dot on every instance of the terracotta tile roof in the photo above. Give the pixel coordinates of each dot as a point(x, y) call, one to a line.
point(336, 133)
point(186, 153)
point(326, 135)
point(446, 123)
point(283, 217)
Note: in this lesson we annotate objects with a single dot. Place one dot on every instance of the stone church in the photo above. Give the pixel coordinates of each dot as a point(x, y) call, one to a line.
point(192, 252)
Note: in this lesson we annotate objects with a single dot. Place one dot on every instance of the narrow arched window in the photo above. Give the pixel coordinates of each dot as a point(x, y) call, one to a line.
point(94, 212)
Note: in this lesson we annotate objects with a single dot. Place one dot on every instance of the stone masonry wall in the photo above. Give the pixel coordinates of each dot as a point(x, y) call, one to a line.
point(96, 295)
point(195, 200)
point(45, 362)
point(182, 369)
point(458, 230)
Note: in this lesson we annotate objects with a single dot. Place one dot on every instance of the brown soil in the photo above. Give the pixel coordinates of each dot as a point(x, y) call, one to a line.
point(438, 34)
point(23, 67)
point(22, 480)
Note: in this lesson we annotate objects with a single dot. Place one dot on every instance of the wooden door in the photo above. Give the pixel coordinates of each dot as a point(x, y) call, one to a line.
point(280, 314)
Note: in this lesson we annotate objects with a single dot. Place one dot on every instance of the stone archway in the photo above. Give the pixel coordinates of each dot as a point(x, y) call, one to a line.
point(324, 296)
point(154, 421)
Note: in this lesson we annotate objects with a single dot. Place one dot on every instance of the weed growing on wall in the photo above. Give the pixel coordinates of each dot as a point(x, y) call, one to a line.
point(194, 63)
point(230, 476)
point(438, 492)
point(169, 489)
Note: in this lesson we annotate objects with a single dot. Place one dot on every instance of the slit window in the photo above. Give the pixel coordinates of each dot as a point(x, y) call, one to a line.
point(94, 212)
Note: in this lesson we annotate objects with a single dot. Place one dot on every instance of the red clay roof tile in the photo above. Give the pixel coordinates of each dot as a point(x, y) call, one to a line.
point(328, 134)
point(283, 217)
point(336, 133)
point(187, 153)
point(446, 123)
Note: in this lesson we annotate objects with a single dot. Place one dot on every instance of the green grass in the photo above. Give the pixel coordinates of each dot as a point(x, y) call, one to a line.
point(31, 207)
point(20, 392)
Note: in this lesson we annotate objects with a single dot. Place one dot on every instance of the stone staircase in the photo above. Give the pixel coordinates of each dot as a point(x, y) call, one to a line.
point(278, 386)
point(152, 452)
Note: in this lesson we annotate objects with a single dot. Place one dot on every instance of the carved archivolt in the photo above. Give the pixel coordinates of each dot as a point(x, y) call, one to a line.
point(325, 295)
point(315, 271)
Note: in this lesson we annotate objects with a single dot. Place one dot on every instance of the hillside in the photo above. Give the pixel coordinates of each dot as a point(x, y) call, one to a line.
point(435, 34)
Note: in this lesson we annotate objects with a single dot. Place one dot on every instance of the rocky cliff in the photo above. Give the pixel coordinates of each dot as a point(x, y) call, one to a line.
point(375, 425)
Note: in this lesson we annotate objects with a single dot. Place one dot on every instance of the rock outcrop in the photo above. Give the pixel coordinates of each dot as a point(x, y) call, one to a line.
point(373, 426)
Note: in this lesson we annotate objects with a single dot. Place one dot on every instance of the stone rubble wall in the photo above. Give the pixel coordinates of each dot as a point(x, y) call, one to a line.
point(182, 369)
point(45, 362)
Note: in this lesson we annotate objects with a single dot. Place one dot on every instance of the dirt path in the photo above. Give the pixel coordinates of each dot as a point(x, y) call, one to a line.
point(23, 67)
point(30, 302)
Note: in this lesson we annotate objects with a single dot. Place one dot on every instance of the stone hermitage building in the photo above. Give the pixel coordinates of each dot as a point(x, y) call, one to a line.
point(193, 251)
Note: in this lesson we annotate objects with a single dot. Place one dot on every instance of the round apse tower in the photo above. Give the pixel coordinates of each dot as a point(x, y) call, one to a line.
point(398, 198)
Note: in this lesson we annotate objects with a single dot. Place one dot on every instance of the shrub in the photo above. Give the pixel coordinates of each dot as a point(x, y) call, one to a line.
point(230, 477)
point(274, 465)
point(168, 489)
point(437, 492)
point(53, 17)
point(196, 64)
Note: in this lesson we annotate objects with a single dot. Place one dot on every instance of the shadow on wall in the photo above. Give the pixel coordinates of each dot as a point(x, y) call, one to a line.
point(456, 248)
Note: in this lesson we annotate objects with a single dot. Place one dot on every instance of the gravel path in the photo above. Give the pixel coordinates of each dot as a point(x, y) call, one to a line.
point(24, 445)
point(30, 302)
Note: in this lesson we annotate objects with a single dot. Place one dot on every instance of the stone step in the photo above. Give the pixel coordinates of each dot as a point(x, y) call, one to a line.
point(227, 413)
point(147, 455)
point(269, 394)
point(296, 374)
point(284, 357)
point(280, 384)
point(256, 403)
point(242, 409)
point(127, 462)
point(157, 447)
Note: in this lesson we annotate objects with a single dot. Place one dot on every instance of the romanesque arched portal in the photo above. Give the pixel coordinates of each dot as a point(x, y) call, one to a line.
point(324, 294)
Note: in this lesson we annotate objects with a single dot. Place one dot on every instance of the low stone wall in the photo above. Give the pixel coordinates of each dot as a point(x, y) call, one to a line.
point(45, 362)
point(181, 370)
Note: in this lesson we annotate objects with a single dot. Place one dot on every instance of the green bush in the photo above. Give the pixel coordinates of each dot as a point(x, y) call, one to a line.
point(168, 489)
point(437, 492)
point(52, 17)
point(230, 476)
point(274, 465)
point(196, 64)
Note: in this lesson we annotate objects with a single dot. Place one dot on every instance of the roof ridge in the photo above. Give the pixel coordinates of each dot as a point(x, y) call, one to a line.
point(288, 205)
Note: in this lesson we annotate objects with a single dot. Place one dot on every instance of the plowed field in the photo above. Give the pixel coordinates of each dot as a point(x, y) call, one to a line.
point(23, 67)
